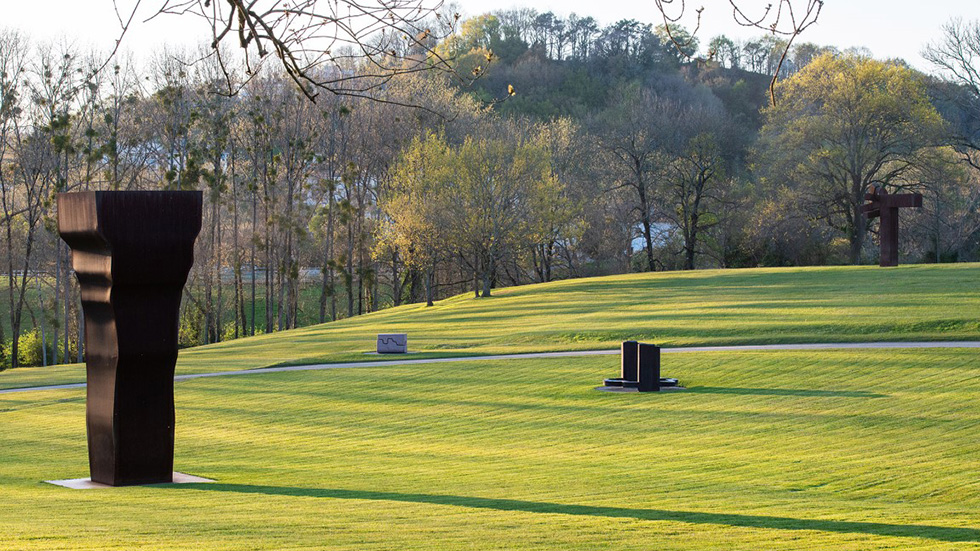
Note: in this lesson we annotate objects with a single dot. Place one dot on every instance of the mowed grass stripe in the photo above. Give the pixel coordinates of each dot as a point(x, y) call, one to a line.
point(705, 307)
point(767, 450)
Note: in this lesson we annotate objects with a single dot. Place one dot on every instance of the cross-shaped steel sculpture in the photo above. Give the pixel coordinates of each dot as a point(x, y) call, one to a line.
point(886, 205)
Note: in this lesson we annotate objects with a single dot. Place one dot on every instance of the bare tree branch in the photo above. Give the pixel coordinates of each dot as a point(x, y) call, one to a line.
point(344, 47)
point(787, 21)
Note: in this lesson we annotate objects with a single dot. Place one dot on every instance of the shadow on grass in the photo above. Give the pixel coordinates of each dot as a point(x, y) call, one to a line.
point(786, 392)
point(938, 533)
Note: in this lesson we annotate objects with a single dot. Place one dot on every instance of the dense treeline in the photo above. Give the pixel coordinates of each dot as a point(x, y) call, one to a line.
point(615, 153)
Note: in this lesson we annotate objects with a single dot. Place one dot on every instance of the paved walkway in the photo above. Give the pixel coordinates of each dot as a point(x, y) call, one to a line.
point(821, 346)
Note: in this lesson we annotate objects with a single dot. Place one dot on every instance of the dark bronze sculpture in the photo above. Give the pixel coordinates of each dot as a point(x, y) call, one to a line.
point(886, 205)
point(627, 360)
point(648, 368)
point(639, 369)
point(131, 251)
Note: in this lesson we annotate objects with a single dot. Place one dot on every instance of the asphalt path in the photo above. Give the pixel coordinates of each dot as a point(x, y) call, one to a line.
point(535, 355)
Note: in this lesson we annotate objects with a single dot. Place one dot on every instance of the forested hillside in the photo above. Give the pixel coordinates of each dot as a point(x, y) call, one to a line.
point(580, 150)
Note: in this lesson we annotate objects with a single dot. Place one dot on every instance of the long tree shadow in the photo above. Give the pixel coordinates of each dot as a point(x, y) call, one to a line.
point(938, 533)
point(786, 392)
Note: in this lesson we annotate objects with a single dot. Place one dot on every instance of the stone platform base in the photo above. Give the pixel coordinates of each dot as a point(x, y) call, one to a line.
point(634, 389)
point(87, 484)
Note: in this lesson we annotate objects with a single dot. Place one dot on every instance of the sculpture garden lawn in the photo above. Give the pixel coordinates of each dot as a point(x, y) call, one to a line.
point(815, 449)
point(705, 307)
point(767, 450)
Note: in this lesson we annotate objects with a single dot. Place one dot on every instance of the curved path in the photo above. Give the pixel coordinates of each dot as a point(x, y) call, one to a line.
point(820, 346)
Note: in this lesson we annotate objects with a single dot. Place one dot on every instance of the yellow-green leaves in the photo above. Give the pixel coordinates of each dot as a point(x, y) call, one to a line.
point(841, 124)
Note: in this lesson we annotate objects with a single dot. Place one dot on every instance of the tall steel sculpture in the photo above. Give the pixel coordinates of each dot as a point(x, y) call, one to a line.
point(886, 205)
point(131, 251)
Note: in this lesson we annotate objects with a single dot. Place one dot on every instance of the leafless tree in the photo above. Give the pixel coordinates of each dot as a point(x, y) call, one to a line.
point(13, 63)
point(319, 43)
point(957, 55)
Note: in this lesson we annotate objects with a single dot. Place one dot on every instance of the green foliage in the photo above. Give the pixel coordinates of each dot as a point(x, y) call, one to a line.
point(685, 45)
point(191, 329)
point(481, 199)
point(840, 125)
point(30, 351)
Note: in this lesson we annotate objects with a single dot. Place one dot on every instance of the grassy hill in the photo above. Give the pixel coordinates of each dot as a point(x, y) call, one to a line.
point(708, 307)
point(775, 450)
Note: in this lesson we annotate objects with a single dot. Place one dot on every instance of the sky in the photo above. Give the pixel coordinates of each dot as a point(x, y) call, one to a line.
point(889, 28)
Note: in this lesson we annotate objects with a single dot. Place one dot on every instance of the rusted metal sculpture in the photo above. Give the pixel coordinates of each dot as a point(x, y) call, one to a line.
point(886, 205)
point(131, 251)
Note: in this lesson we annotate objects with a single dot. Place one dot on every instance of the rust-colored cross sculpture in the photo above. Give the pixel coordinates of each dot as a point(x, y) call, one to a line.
point(131, 251)
point(886, 205)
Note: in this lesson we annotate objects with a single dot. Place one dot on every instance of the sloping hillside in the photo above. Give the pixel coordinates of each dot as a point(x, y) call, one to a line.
point(707, 307)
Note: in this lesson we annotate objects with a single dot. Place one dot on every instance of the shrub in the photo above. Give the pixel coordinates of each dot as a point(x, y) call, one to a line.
point(30, 353)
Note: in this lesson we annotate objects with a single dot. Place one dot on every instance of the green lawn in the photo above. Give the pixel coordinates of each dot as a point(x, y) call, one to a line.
point(706, 307)
point(835, 450)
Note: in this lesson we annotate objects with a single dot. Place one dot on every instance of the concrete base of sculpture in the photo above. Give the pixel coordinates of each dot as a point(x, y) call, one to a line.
point(392, 343)
point(88, 484)
point(665, 382)
point(634, 389)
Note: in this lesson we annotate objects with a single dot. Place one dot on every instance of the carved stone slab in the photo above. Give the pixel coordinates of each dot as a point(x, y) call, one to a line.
point(392, 343)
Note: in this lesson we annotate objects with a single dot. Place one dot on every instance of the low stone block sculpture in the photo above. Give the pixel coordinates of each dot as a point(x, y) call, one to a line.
point(131, 251)
point(392, 343)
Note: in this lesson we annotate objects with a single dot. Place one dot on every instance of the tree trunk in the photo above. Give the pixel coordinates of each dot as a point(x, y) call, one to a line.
point(218, 311)
point(332, 281)
point(252, 261)
point(57, 306)
point(858, 229)
point(428, 286)
point(647, 224)
point(326, 285)
point(549, 256)
point(396, 286)
point(488, 270)
point(349, 275)
point(691, 242)
point(66, 352)
point(239, 303)
point(476, 276)
point(209, 279)
point(360, 259)
point(269, 305)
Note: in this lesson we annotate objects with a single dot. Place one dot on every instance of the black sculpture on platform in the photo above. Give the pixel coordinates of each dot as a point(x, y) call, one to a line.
point(881, 203)
point(627, 360)
point(648, 367)
point(639, 369)
point(131, 251)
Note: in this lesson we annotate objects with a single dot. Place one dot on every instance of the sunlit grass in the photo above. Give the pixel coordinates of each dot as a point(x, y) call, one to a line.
point(707, 307)
point(856, 449)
